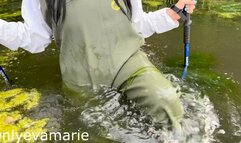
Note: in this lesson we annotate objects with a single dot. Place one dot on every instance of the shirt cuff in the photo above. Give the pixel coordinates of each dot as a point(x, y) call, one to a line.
point(172, 22)
point(163, 22)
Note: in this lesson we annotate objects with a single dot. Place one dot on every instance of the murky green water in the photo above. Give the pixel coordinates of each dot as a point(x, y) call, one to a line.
point(211, 93)
point(215, 51)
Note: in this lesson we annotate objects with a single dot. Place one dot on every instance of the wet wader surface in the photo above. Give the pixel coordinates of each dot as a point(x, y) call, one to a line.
point(97, 42)
point(150, 89)
point(100, 47)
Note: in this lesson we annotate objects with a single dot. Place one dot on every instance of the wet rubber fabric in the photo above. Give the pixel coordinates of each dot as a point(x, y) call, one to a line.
point(100, 47)
point(150, 89)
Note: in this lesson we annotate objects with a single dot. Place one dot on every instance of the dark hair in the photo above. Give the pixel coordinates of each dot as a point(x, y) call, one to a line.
point(57, 8)
point(128, 11)
point(128, 7)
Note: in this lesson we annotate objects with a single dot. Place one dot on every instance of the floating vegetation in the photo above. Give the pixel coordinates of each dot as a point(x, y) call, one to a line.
point(233, 7)
point(152, 3)
point(223, 9)
point(201, 73)
point(227, 10)
point(6, 56)
point(6, 59)
point(11, 16)
point(221, 89)
point(10, 10)
point(13, 106)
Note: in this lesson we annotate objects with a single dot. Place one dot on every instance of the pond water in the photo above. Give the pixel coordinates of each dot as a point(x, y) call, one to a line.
point(212, 110)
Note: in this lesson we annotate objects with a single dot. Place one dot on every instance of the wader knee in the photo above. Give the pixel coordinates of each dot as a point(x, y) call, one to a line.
point(149, 89)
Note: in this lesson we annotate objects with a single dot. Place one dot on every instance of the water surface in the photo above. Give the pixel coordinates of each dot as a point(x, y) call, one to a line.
point(211, 115)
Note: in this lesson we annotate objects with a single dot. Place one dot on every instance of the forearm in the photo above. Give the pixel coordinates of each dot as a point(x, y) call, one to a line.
point(33, 34)
point(181, 4)
point(9, 35)
point(147, 24)
point(17, 34)
point(173, 14)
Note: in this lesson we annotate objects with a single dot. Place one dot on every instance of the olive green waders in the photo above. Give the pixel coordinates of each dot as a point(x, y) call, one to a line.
point(98, 46)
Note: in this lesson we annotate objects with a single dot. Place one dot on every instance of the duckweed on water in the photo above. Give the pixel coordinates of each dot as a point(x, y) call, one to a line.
point(13, 105)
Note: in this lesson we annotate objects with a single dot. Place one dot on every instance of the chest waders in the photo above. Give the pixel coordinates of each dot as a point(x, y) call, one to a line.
point(100, 47)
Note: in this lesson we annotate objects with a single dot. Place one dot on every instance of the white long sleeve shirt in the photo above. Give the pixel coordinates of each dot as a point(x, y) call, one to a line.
point(34, 35)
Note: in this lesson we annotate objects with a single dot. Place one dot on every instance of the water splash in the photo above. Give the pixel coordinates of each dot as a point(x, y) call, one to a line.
point(121, 121)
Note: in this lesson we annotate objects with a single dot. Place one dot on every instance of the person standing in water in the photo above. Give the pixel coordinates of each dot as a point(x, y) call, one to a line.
point(99, 43)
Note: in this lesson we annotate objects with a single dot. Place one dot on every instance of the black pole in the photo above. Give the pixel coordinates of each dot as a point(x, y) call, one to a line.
point(187, 25)
point(5, 77)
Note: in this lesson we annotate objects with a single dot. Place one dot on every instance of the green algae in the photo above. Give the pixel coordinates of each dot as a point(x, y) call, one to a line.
point(11, 16)
point(10, 10)
point(228, 10)
point(152, 3)
point(13, 104)
point(18, 98)
point(222, 9)
point(16, 102)
point(7, 56)
point(201, 74)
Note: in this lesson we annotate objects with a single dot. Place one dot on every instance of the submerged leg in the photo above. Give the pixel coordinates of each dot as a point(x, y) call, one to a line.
point(151, 91)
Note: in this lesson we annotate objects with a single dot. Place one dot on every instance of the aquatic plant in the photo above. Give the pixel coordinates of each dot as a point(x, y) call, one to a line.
point(220, 8)
point(6, 59)
point(10, 10)
point(13, 120)
point(228, 10)
point(6, 56)
point(202, 74)
point(222, 90)
point(152, 3)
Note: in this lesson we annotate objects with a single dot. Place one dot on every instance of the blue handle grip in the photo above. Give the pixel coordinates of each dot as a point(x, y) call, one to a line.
point(187, 25)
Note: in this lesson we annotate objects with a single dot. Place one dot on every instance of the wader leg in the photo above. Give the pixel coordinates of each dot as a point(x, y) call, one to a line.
point(151, 90)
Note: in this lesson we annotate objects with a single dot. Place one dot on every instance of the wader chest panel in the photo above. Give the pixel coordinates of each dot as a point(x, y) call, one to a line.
point(96, 41)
